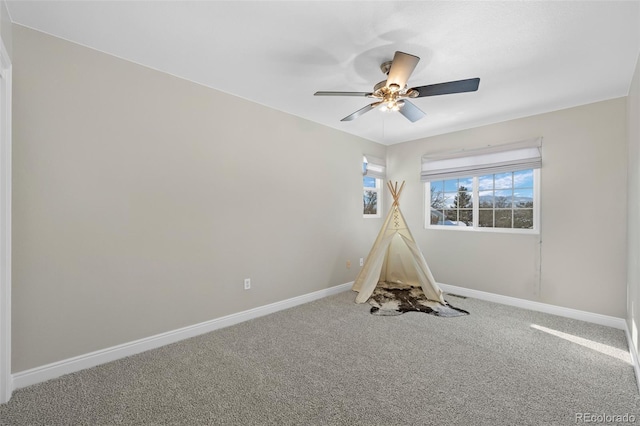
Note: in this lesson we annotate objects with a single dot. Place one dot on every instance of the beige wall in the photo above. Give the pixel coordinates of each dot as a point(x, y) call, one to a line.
point(633, 205)
point(579, 259)
point(142, 201)
point(5, 28)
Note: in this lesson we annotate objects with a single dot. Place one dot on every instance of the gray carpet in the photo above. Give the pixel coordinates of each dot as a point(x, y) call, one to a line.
point(330, 362)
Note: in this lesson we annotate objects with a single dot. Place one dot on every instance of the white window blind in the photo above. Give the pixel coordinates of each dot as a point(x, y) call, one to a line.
point(509, 157)
point(375, 167)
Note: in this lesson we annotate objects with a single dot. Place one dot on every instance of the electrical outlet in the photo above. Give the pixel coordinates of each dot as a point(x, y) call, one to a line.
point(348, 264)
point(247, 283)
point(361, 262)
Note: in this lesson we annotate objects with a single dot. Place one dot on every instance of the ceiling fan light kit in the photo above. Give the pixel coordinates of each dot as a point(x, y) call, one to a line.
point(392, 94)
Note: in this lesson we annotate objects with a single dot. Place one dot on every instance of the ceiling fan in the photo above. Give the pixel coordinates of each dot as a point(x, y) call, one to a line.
point(392, 94)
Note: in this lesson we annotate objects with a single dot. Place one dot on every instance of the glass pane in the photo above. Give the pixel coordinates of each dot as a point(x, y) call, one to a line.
point(449, 199)
point(370, 200)
point(467, 183)
point(466, 217)
point(485, 218)
point(437, 217)
point(463, 199)
point(503, 198)
point(486, 199)
point(450, 217)
point(523, 198)
point(504, 180)
point(451, 185)
point(369, 182)
point(523, 219)
point(437, 196)
point(503, 218)
point(485, 182)
point(523, 179)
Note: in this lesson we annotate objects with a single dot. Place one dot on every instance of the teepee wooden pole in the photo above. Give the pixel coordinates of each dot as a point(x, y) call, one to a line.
point(395, 192)
point(400, 191)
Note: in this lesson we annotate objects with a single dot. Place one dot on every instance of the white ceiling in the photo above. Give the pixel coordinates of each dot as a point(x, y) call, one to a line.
point(532, 57)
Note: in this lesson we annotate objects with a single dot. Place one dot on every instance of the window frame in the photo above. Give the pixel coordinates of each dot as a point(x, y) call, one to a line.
point(476, 208)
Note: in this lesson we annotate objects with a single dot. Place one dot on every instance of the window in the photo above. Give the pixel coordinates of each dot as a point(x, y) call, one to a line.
point(504, 201)
point(373, 170)
point(452, 202)
point(371, 196)
point(495, 188)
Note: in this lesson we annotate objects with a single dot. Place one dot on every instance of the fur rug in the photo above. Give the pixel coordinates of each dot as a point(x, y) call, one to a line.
point(396, 299)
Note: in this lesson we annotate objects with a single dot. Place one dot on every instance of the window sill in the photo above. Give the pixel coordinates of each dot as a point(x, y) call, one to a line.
point(485, 230)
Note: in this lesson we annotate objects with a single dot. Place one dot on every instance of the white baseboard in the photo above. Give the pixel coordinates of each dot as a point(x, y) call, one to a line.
point(71, 365)
point(605, 320)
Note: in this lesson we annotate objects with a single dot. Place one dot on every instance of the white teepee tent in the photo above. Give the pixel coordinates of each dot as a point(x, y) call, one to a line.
point(396, 258)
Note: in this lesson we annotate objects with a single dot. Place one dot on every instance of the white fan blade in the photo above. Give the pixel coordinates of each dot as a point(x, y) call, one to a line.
point(401, 68)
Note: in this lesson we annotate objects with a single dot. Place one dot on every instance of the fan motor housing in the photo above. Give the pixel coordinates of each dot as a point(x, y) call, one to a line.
point(385, 67)
point(379, 86)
